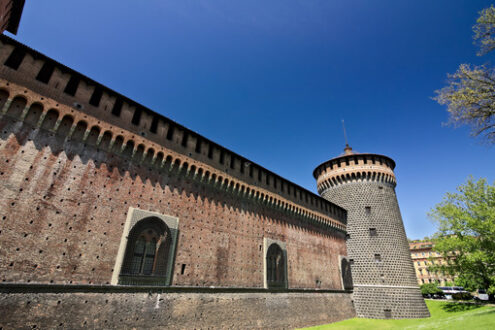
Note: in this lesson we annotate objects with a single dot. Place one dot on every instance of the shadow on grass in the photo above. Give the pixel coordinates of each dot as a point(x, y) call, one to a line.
point(454, 307)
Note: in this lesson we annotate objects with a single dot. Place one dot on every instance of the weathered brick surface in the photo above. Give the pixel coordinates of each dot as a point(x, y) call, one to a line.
point(70, 171)
point(64, 205)
point(382, 270)
point(172, 310)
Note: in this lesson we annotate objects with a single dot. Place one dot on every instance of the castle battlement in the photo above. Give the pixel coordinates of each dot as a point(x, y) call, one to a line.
point(355, 167)
point(79, 107)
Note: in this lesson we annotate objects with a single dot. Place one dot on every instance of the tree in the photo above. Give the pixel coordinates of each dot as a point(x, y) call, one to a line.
point(430, 289)
point(470, 92)
point(466, 234)
point(484, 30)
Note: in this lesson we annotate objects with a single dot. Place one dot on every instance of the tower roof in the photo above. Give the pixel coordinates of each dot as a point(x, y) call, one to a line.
point(349, 153)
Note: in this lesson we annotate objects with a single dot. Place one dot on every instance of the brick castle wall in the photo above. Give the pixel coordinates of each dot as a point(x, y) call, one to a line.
point(70, 172)
point(65, 201)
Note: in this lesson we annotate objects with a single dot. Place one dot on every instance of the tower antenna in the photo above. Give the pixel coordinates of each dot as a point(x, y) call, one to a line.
point(345, 134)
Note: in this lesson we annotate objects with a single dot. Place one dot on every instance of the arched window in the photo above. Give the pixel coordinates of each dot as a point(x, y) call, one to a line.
point(147, 253)
point(275, 267)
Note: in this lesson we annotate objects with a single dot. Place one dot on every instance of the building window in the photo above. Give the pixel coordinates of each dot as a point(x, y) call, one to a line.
point(373, 232)
point(15, 58)
point(275, 264)
point(367, 209)
point(136, 117)
point(147, 249)
point(96, 96)
point(71, 87)
point(378, 257)
point(345, 268)
point(275, 267)
point(45, 72)
point(154, 125)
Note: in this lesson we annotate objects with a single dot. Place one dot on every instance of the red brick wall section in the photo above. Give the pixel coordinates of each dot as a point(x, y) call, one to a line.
point(208, 153)
point(65, 200)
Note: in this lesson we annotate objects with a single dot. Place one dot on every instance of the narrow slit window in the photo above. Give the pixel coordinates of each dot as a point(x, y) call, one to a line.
point(72, 85)
point(183, 269)
point(96, 96)
point(210, 151)
point(222, 156)
point(232, 162)
point(117, 107)
point(185, 137)
point(15, 58)
point(136, 118)
point(45, 73)
point(170, 132)
point(197, 149)
point(154, 125)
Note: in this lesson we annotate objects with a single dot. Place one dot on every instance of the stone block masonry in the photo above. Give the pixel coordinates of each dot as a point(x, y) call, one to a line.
point(104, 309)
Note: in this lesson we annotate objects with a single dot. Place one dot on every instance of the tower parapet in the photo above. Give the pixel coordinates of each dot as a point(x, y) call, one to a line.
point(353, 167)
point(384, 279)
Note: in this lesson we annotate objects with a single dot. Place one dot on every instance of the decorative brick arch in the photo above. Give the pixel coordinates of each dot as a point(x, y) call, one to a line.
point(134, 217)
point(269, 246)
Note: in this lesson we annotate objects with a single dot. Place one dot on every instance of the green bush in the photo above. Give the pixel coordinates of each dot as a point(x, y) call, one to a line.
point(430, 288)
point(462, 296)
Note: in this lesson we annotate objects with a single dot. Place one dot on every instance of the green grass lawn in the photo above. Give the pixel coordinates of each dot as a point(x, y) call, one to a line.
point(444, 315)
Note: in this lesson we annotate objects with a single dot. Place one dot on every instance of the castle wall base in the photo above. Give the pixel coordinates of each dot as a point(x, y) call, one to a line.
point(74, 307)
point(381, 302)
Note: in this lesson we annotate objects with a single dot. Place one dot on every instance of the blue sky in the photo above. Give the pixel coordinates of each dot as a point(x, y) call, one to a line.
point(272, 80)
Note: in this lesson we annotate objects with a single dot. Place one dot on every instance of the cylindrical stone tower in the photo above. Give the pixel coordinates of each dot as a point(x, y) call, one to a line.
point(385, 284)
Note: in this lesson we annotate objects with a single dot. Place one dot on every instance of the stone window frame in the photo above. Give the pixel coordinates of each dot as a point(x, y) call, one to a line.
point(135, 215)
point(267, 242)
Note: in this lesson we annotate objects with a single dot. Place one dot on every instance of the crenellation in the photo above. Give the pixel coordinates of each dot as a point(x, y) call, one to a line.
point(127, 112)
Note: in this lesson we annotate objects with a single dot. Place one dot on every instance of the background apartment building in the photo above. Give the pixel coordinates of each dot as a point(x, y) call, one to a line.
point(423, 257)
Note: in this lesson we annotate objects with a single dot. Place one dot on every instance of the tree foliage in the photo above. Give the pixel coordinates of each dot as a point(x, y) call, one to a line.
point(466, 234)
point(470, 92)
point(484, 30)
point(470, 99)
point(430, 288)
